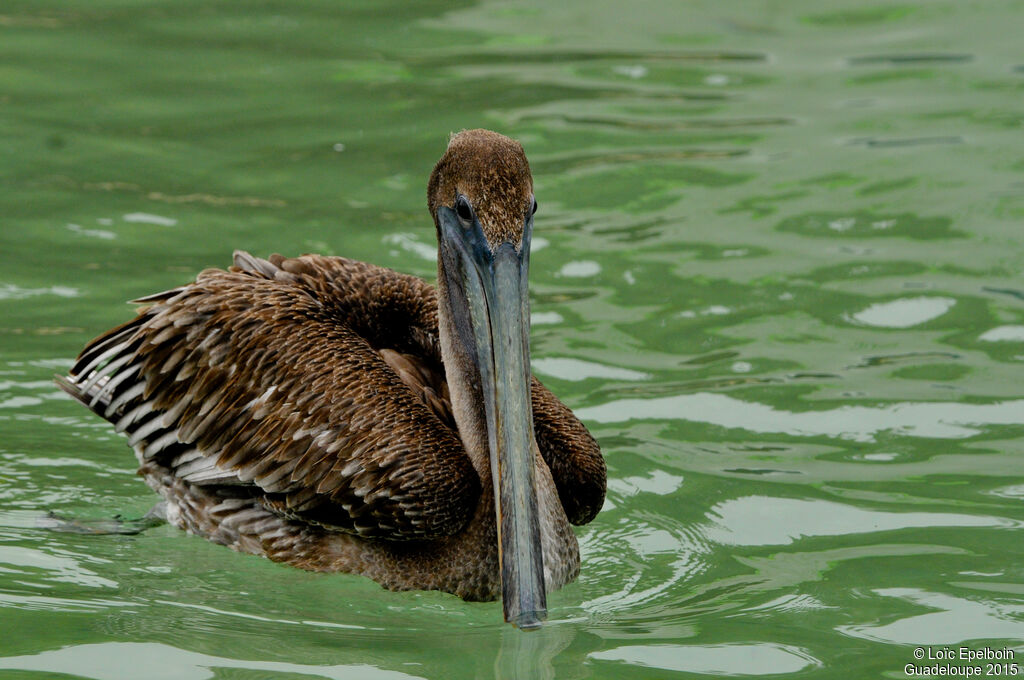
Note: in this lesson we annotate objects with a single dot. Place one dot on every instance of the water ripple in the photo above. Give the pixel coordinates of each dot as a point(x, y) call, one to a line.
point(726, 659)
point(546, 56)
point(911, 58)
point(119, 660)
point(957, 620)
point(939, 420)
point(763, 520)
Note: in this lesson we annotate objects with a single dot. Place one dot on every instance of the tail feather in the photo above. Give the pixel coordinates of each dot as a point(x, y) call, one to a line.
point(162, 296)
point(255, 265)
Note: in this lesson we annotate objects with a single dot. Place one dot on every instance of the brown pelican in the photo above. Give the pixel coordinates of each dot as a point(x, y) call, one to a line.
point(339, 416)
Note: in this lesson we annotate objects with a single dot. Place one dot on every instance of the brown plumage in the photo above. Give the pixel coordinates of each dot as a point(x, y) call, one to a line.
point(313, 410)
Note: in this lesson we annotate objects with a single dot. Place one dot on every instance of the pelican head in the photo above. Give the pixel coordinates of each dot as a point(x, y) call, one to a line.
point(481, 197)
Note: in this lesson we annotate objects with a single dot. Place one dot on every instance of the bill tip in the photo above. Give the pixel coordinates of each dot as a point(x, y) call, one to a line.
point(531, 620)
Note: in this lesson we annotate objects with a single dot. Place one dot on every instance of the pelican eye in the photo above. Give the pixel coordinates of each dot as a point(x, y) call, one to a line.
point(533, 208)
point(464, 209)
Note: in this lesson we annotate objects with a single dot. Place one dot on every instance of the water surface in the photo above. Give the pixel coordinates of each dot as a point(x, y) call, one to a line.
point(777, 271)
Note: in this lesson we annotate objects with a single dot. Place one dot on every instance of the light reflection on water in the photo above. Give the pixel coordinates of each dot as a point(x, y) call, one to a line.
point(905, 312)
point(57, 567)
point(761, 520)
point(957, 619)
point(1003, 334)
point(939, 420)
point(732, 659)
point(120, 660)
point(566, 368)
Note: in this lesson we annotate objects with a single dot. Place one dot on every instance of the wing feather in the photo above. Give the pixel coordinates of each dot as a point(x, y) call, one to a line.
point(317, 383)
point(269, 379)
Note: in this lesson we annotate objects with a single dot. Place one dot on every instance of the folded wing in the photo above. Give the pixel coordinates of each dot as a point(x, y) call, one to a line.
point(252, 379)
point(315, 384)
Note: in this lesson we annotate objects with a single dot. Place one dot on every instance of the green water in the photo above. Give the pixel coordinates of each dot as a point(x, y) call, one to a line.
point(778, 272)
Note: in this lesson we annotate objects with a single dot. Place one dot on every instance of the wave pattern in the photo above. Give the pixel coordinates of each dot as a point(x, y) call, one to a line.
point(777, 270)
